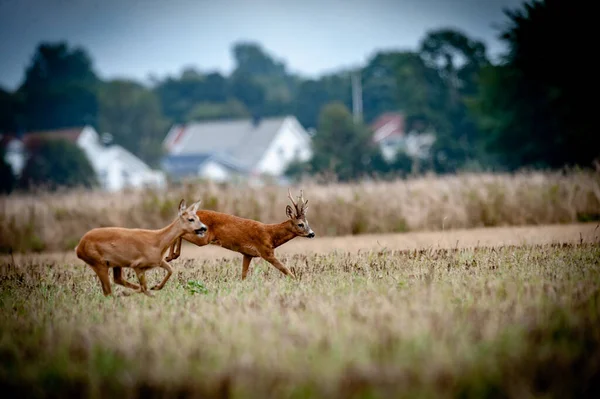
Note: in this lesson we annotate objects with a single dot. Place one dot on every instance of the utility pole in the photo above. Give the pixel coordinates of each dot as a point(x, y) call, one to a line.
point(357, 97)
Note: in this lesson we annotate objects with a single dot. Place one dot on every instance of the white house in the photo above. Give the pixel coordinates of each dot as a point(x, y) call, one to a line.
point(115, 167)
point(390, 134)
point(226, 150)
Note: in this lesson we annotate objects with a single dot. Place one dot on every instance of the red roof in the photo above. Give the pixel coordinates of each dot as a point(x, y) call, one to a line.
point(388, 124)
point(29, 138)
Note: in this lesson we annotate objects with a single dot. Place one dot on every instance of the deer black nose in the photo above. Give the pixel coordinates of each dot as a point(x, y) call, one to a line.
point(200, 230)
point(311, 235)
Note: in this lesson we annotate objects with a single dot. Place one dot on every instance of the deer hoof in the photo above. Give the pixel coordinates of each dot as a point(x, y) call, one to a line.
point(156, 288)
point(148, 293)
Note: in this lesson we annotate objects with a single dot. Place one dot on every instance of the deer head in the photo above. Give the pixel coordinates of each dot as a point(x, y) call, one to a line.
point(298, 216)
point(189, 220)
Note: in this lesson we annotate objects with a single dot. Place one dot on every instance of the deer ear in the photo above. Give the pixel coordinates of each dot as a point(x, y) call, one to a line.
point(195, 206)
point(181, 207)
point(289, 212)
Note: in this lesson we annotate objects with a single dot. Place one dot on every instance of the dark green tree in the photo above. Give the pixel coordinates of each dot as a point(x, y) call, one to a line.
point(132, 114)
point(341, 147)
point(533, 106)
point(313, 95)
point(247, 90)
point(179, 96)
point(55, 163)
point(457, 60)
point(260, 81)
point(10, 112)
point(232, 109)
point(59, 89)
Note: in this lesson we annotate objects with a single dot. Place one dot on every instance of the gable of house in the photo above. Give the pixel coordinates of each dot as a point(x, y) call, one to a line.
point(290, 143)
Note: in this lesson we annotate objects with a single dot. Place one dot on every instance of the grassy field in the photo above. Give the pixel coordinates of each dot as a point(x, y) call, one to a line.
point(39, 222)
point(512, 321)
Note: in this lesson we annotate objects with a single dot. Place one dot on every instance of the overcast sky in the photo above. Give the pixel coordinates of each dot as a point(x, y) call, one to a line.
point(135, 38)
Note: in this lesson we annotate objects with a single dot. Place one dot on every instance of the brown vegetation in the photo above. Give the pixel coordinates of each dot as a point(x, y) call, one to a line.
point(57, 221)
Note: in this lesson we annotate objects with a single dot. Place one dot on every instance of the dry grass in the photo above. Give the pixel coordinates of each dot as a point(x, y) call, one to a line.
point(512, 321)
point(44, 221)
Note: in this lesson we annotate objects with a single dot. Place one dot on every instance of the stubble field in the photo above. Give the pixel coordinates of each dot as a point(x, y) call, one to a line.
point(421, 314)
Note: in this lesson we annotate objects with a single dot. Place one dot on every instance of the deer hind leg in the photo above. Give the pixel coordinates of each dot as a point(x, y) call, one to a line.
point(169, 270)
point(270, 257)
point(141, 275)
point(246, 266)
point(118, 276)
point(174, 253)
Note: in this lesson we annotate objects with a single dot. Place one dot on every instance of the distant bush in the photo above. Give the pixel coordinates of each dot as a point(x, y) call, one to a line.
point(54, 163)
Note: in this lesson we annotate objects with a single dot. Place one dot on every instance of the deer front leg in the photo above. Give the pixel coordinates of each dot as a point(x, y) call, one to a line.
point(270, 257)
point(174, 253)
point(246, 266)
point(169, 270)
point(102, 273)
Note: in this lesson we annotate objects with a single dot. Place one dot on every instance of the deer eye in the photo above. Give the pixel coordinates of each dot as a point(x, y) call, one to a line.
point(300, 224)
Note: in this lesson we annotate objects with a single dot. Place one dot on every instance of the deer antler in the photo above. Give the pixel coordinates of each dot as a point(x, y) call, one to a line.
point(304, 203)
point(291, 198)
point(301, 205)
point(294, 203)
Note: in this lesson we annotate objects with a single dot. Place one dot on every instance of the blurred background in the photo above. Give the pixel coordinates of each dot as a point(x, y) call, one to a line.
point(116, 94)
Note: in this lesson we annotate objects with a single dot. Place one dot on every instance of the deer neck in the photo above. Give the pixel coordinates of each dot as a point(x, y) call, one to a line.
point(281, 233)
point(168, 234)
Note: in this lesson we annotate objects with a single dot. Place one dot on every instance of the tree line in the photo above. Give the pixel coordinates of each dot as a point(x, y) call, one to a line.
point(523, 111)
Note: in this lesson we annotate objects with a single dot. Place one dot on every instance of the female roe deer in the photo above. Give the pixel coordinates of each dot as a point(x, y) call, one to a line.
point(249, 237)
point(140, 249)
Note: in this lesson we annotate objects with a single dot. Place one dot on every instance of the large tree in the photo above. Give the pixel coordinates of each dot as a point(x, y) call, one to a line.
point(533, 106)
point(457, 60)
point(55, 163)
point(341, 147)
point(10, 112)
point(179, 96)
point(132, 114)
point(313, 95)
point(59, 89)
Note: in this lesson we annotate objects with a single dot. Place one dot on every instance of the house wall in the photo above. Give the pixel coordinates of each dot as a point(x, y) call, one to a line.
point(116, 167)
point(289, 143)
point(213, 171)
point(15, 156)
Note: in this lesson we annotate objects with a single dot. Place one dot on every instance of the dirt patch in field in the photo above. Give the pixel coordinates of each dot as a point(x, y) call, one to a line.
point(464, 238)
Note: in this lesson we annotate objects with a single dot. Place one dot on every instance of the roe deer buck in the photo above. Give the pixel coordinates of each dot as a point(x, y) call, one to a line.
point(249, 237)
point(140, 249)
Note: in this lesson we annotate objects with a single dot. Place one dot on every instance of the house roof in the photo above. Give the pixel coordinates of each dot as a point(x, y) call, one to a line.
point(117, 153)
point(238, 140)
point(184, 164)
point(33, 137)
point(388, 125)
